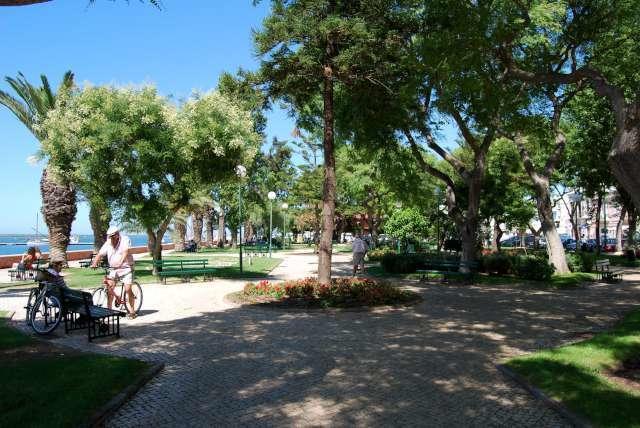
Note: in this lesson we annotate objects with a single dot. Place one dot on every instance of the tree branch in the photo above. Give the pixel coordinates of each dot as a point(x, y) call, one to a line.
point(456, 163)
point(415, 150)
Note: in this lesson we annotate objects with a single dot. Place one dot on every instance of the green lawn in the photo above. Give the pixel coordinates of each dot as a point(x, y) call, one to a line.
point(228, 267)
point(46, 388)
point(575, 375)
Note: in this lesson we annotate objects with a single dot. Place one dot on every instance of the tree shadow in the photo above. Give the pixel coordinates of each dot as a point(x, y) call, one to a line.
point(432, 363)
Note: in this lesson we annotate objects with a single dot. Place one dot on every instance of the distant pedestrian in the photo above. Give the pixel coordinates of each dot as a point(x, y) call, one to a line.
point(359, 248)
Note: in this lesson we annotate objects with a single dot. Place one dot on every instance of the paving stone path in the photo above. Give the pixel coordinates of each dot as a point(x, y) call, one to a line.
point(431, 364)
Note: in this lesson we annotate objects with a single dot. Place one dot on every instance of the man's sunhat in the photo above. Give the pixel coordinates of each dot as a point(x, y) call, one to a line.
point(112, 230)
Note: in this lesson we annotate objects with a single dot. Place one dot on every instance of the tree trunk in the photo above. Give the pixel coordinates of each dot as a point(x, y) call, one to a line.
point(155, 241)
point(555, 249)
point(497, 235)
point(221, 231)
point(198, 225)
point(598, 212)
point(59, 210)
point(371, 221)
point(248, 230)
point(181, 235)
point(99, 217)
point(624, 156)
point(623, 213)
point(209, 220)
point(329, 187)
point(234, 238)
point(633, 222)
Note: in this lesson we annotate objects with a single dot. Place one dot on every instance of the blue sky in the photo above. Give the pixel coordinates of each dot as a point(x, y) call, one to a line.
point(183, 47)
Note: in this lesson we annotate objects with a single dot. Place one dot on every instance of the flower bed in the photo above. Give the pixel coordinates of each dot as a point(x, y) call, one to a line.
point(343, 292)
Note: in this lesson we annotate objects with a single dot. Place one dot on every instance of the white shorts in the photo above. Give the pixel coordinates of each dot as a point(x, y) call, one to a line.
point(125, 274)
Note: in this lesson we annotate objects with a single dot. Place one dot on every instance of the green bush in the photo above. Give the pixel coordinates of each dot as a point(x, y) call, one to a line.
point(534, 268)
point(497, 263)
point(402, 263)
point(581, 261)
point(377, 254)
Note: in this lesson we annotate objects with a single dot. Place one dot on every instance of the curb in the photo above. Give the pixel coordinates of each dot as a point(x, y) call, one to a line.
point(98, 418)
point(574, 419)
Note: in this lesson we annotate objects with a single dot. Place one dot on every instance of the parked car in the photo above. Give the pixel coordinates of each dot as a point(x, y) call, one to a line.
point(609, 245)
point(514, 241)
point(570, 244)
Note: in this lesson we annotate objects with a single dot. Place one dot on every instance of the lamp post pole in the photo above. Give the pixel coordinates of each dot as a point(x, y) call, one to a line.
point(271, 196)
point(241, 172)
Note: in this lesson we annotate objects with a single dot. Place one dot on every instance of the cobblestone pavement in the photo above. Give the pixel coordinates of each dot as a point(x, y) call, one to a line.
point(431, 364)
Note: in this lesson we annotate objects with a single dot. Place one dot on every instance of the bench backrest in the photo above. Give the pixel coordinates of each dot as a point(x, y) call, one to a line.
point(181, 264)
point(602, 263)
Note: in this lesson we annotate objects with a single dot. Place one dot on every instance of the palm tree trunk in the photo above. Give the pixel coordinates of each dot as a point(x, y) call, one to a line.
point(59, 210)
point(209, 220)
point(198, 223)
point(221, 237)
point(181, 235)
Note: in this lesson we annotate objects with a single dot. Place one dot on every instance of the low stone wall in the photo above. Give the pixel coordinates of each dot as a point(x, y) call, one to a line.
point(8, 261)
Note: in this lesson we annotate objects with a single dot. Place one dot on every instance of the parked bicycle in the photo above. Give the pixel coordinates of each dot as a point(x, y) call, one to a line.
point(44, 309)
point(121, 301)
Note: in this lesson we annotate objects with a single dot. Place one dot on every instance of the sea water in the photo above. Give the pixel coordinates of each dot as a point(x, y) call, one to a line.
point(16, 244)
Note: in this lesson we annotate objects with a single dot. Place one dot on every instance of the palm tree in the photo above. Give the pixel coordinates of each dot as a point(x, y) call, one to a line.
point(58, 199)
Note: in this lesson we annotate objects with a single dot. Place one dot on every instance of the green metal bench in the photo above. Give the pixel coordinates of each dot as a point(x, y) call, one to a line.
point(23, 275)
point(448, 270)
point(603, 273)
point(184, 269)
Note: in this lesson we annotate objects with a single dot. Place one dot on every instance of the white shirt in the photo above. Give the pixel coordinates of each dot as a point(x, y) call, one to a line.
point(114, 255)
point(359, 246)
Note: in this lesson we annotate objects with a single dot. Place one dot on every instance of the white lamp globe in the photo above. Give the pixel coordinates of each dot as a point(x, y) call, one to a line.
point(271, 195)
point(285, 206)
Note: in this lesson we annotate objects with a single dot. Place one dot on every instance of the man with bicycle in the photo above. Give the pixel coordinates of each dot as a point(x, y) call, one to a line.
point(116, 248)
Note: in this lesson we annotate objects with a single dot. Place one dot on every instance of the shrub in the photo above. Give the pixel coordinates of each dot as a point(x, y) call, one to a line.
point(534, 268)
point(377, 254)
point(497, 263)
point(402, 263)
point(581, 261)
point(341, 292)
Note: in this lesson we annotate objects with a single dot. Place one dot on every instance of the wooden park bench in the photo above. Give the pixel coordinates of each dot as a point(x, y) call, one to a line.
point(184, 269)
point(80, 313)
point(603, 273)
point(448, 269)
point(23, 275)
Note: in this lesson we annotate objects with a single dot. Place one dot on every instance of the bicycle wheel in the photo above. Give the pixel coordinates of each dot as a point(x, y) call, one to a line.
point(33, 295)
point(46, 314)
point(99, 297)
point(137, 295)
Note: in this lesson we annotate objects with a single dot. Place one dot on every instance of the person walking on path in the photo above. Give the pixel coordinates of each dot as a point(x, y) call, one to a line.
point(359, 247)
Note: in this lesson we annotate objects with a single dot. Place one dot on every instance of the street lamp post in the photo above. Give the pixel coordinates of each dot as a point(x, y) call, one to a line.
point(241, 172)
point(284, 225)
point(271, 196)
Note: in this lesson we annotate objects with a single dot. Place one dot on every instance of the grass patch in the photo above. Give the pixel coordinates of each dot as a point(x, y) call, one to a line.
point(10, 337)
point(228, 267)
point(47, 386)
point(577, 375)
point(61, 390)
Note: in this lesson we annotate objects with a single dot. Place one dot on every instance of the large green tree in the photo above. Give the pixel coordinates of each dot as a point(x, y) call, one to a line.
point(160, 157)
point(31, 106)
point(308, 48)
point(566, 43)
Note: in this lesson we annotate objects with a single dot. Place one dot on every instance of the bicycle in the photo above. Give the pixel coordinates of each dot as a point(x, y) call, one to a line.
point(44, 310)
point(121, 301)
